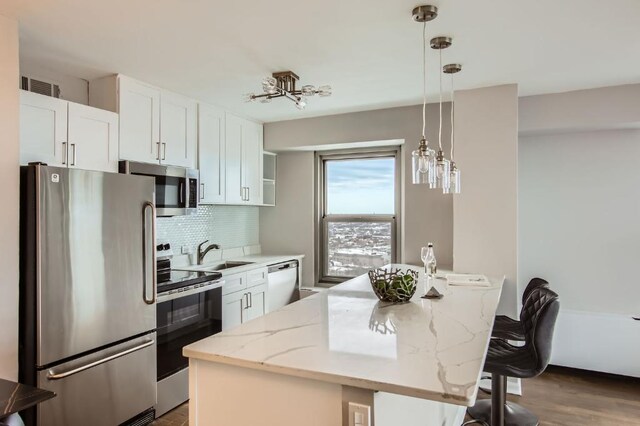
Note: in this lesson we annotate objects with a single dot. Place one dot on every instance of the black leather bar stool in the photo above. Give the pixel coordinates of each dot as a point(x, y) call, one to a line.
point(507, 328)
point(538, 318)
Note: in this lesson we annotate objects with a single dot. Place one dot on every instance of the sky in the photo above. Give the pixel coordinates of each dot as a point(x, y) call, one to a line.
point(360, 186)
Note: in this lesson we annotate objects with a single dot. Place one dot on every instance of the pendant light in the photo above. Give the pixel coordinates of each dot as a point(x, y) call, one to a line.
point(441, 165)
point(422, 159)
point(454, 180)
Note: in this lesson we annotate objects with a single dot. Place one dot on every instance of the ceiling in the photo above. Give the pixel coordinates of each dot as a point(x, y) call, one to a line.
point(368, 50)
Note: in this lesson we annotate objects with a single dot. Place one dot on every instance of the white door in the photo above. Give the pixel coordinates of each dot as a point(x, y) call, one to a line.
point(235, 192)
point(211, 154)
point(93, 138)
point(252, 161)
point(178, 130)
point(257, 301)
point(233, 307)
point(139, 108)
point(43, 129)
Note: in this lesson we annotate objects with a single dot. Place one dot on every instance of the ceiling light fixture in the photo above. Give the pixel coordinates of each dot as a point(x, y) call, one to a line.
point(283, 84)
point(454, 180)
point(422, 158)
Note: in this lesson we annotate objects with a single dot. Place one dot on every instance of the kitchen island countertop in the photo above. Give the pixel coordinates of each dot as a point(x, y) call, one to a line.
point(429, 349)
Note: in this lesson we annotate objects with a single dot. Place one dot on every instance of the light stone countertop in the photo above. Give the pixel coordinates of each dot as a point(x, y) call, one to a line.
point(430, 349)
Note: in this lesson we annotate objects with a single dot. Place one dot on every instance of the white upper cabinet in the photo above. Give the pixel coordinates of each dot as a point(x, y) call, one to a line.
point(211, 154)
point(43, 129)
point(253, 160)
point(66, 134)
point(178, 130)
point(244, 161)
point(139, 109)
point(235, 192)
point(93, 138)
point(156, 126)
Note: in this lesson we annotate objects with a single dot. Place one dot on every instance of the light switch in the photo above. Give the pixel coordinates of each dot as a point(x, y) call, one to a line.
point(359, 415)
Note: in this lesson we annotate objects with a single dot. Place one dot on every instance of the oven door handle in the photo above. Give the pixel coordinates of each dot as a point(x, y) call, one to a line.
point(51, 375)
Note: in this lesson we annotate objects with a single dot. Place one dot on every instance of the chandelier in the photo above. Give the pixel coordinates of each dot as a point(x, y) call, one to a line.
point(429, 167)
point(283, 84)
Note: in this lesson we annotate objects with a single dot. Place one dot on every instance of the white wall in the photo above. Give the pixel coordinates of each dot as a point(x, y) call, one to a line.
point(578, 220)
point(9, 176)
point(427, 213)
point(580, 217)
point(293, 210)
point(485, 213)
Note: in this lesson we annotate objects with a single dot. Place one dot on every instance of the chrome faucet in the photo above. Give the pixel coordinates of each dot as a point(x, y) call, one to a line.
point(203, 253)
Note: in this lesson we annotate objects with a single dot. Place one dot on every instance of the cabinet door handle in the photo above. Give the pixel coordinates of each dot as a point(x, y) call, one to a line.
point(248, 193)
point(245, 298)
point(65, 156)
point(158, 154)
point(251, 300)
point(164, 150)
point(73, 146)
point(201, 191)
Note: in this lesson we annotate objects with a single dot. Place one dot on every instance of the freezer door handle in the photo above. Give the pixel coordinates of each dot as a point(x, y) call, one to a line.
point(148, 253)
point(52, 375)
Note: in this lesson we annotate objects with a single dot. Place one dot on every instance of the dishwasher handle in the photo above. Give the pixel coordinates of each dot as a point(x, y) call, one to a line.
point(283, 266)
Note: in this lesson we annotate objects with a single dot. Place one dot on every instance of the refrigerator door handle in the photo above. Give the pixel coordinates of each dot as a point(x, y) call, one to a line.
point(146, 252)
point(51, 375)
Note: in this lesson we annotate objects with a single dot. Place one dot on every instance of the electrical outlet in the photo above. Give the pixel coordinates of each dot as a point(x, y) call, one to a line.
point(359, 415)
point(186, 250)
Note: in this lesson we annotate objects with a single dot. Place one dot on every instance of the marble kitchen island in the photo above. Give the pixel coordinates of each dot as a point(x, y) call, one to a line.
point(413, 363)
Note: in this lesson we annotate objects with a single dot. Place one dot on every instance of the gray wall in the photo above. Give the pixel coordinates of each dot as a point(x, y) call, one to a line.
point(9, 176)
point(485, 213)
point(427, 213)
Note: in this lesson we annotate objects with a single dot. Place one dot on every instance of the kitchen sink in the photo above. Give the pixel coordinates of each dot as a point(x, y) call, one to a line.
point(227, 265)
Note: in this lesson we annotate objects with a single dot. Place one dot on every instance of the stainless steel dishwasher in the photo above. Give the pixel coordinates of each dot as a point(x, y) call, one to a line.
point(282, 284)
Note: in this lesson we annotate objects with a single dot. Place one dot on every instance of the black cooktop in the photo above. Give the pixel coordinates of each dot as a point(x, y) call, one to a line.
point(180, 279)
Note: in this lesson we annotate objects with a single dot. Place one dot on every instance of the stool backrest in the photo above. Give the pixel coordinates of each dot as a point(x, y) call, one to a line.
point(538, 318)
point(533, 284)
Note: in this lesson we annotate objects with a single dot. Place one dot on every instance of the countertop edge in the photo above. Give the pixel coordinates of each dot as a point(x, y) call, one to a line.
point(330, 378)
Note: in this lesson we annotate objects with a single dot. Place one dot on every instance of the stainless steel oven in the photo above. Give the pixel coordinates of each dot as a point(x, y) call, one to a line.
point(176, 187)
point(189, 308)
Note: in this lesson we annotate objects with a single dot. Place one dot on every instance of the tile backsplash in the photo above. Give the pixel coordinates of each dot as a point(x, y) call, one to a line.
point(229, 226)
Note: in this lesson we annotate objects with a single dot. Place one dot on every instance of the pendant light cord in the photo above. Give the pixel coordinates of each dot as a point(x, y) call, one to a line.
point(424, 78)
point(440, 73)
point(452, 114)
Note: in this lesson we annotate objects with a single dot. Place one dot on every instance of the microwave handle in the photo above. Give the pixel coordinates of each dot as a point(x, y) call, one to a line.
point(181, 191)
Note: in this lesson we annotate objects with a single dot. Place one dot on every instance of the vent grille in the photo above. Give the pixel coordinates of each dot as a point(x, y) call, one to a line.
point(40, 87)
point(142, 419)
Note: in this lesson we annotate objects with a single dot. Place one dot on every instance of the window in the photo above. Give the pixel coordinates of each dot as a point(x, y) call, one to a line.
point(358, 206)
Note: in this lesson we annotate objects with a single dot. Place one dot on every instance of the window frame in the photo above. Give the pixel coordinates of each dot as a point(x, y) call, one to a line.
point(323, 219)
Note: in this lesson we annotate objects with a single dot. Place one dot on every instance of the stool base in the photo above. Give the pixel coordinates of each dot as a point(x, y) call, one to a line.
point(514, 414)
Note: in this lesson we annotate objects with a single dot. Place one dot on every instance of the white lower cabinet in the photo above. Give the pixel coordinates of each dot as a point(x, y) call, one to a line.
point(233, 306)
point(244, 297)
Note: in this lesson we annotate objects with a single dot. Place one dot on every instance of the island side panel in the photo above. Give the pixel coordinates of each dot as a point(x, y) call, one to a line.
point(226, 395)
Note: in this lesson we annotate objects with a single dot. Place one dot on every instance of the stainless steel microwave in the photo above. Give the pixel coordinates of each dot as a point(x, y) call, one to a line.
point(176, 187)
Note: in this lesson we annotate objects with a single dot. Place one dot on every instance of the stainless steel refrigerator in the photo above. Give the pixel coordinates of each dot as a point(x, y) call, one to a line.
point(87, 295)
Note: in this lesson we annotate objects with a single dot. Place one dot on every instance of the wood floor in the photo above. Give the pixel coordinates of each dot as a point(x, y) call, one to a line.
point(560, 396)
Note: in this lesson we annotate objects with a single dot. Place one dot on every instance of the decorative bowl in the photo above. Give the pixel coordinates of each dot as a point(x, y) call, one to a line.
point(393, 286)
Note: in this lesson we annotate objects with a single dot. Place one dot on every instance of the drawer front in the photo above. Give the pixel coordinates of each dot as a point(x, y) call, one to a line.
point(233, 283)
point(106, 388)
point(256, 277)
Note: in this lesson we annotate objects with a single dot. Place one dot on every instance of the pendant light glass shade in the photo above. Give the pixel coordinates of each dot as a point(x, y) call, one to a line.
point(442, 172)
point(422, 164)
point(454, 180)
